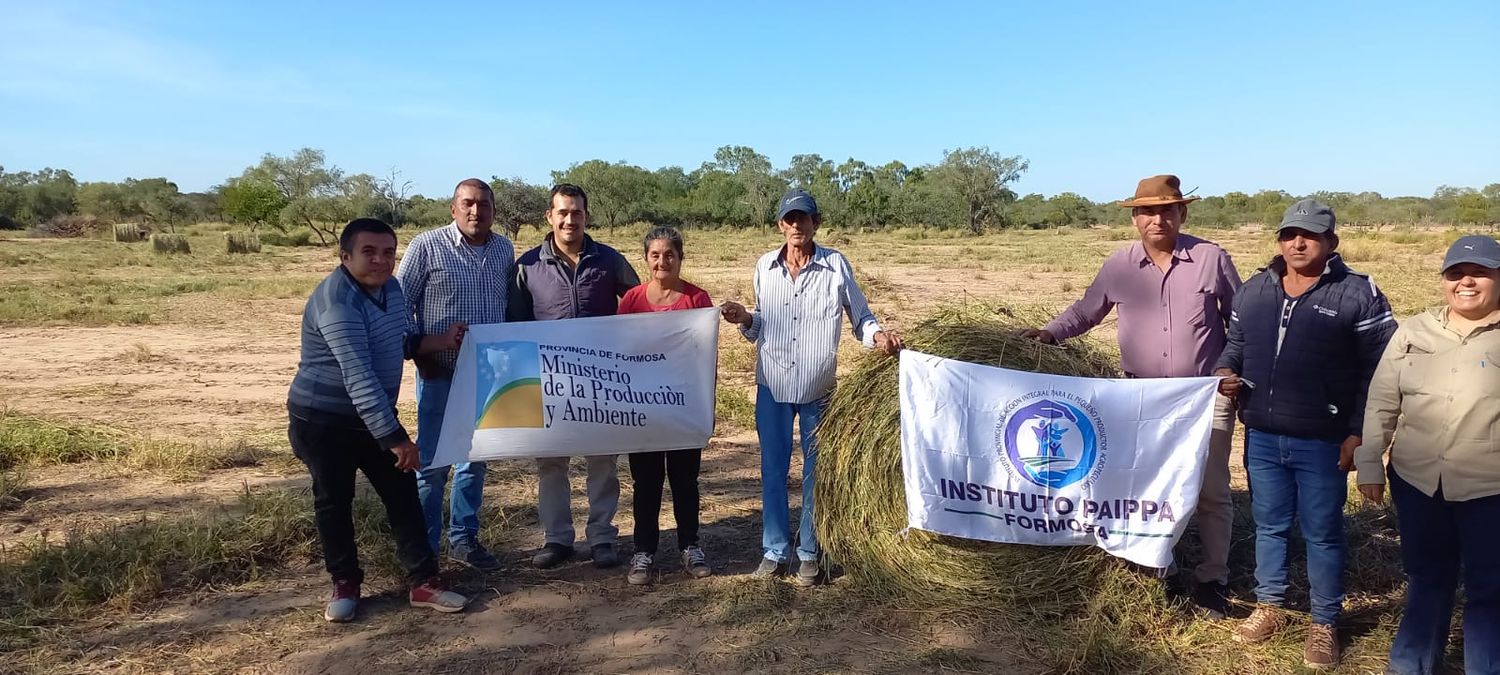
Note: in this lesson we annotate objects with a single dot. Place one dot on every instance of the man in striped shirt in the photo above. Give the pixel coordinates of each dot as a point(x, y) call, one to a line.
point(802, 291)
point(457, 273)
point(342, 408)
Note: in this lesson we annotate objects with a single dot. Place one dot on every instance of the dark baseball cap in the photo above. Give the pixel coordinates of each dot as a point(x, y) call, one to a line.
point(1310, 215)
point(1475, 248)
point(796, 200)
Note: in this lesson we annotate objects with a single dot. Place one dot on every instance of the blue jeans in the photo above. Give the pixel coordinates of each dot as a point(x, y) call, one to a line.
point(1437, 538)
point(1298, 479)
point(468, 477)
point(773, 423)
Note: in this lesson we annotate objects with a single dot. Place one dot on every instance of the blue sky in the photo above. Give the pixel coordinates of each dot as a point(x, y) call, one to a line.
point(1393, 97)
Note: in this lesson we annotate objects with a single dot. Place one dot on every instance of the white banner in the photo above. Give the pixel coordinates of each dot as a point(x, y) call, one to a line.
point(1026, 458)
point(591, 386)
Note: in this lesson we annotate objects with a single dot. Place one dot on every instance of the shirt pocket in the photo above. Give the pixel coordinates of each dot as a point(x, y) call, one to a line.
point(1202, 305)
point(1415, 375)
point(1487, 372)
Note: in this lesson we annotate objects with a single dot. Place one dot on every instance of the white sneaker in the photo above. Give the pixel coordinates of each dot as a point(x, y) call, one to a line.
point(641, 569)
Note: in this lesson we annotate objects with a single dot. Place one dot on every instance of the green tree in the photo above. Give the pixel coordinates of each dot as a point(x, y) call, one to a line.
point(1472, 209)
point(760, 187)
point(618, 193)
point(820, 178)
point(29, 198)
point(157, 201)
point(716, 198)
point(103, 200)
point(1069, 209)
point(317, 196)
point(257, 202)
point(518, 203)
point(978, 179)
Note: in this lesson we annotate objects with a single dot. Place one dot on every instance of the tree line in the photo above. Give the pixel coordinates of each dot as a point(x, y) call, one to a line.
point(969, 189)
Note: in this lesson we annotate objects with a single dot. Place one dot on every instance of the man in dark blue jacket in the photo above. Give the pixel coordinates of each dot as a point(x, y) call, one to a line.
point(570, 276)
point(1304, 337)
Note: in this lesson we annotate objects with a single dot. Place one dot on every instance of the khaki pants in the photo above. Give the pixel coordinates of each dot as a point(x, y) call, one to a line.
point(555, 499)
point(1215, 514)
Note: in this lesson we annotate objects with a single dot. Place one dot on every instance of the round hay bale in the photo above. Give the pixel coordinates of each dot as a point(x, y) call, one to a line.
point(242, 242)
point(129, 233)
point(163, 242)
point(861, 508)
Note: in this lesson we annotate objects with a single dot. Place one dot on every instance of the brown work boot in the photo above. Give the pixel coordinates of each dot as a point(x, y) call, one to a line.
point(1321, 650)
point(1263, 623)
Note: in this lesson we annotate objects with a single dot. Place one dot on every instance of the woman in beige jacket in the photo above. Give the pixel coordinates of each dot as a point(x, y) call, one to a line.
point(1437, 393)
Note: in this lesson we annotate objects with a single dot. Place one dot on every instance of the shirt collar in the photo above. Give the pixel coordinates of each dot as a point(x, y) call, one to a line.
point(378, 300)
point(819, 257)
point(1335, 263)
point(1440, 314)
point(456, 237)
point(547, 252)
point(1181, 251)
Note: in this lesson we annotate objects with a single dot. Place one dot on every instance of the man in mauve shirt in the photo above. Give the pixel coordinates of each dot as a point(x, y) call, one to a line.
point(1173, 293)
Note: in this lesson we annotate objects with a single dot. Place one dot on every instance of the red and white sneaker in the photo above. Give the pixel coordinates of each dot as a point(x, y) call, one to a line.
point(434, 594)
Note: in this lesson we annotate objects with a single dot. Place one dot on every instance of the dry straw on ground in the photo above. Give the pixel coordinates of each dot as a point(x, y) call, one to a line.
point(170, 243)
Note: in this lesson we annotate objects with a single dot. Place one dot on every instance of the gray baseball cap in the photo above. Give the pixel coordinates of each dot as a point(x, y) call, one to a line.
point(796, 200)
point(1474, 248)
point(1310, 215)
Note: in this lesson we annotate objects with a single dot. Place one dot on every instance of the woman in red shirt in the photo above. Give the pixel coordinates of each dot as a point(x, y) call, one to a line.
point(665, 291)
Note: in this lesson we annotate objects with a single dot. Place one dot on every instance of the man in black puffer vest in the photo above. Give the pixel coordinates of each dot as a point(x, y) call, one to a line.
point(1304, 337)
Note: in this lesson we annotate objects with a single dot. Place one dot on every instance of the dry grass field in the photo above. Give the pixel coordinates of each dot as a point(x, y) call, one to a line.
point(152, 518)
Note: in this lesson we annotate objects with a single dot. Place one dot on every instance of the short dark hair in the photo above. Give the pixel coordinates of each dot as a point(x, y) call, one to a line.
point(360, 225)
point(568, 190)
point(670, 234)
point(475, 182)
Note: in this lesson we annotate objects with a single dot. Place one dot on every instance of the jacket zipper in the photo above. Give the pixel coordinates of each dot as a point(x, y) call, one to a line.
point(1287, 317)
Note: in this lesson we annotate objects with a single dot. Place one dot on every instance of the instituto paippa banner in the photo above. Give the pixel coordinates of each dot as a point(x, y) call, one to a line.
point(1026, 458)
point(590, 386)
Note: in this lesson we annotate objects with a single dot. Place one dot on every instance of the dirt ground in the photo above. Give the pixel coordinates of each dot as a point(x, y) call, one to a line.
point(216, 370)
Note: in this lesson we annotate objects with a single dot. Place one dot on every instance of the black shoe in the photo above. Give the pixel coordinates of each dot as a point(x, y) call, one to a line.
point(474, 555)
point(1171, 586)
point(605, 556)
point(1212, 598)
point(552, 555)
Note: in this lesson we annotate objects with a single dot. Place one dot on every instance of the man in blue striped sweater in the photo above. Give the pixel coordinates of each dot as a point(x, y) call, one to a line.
point(356, 332)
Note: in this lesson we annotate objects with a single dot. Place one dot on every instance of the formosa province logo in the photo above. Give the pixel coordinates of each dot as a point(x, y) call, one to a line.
point(1052, 438)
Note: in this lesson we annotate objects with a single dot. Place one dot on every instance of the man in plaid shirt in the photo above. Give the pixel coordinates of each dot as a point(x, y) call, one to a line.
point(458, 273)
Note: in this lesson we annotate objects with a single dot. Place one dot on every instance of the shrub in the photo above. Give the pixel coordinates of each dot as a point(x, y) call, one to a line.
point(242, 242)
point(170, 243)
point(298, 238)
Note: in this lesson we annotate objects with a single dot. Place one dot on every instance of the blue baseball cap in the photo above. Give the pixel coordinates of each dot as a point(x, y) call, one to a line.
point(796, 200)
point(1310, 215)
point(1475, 248)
